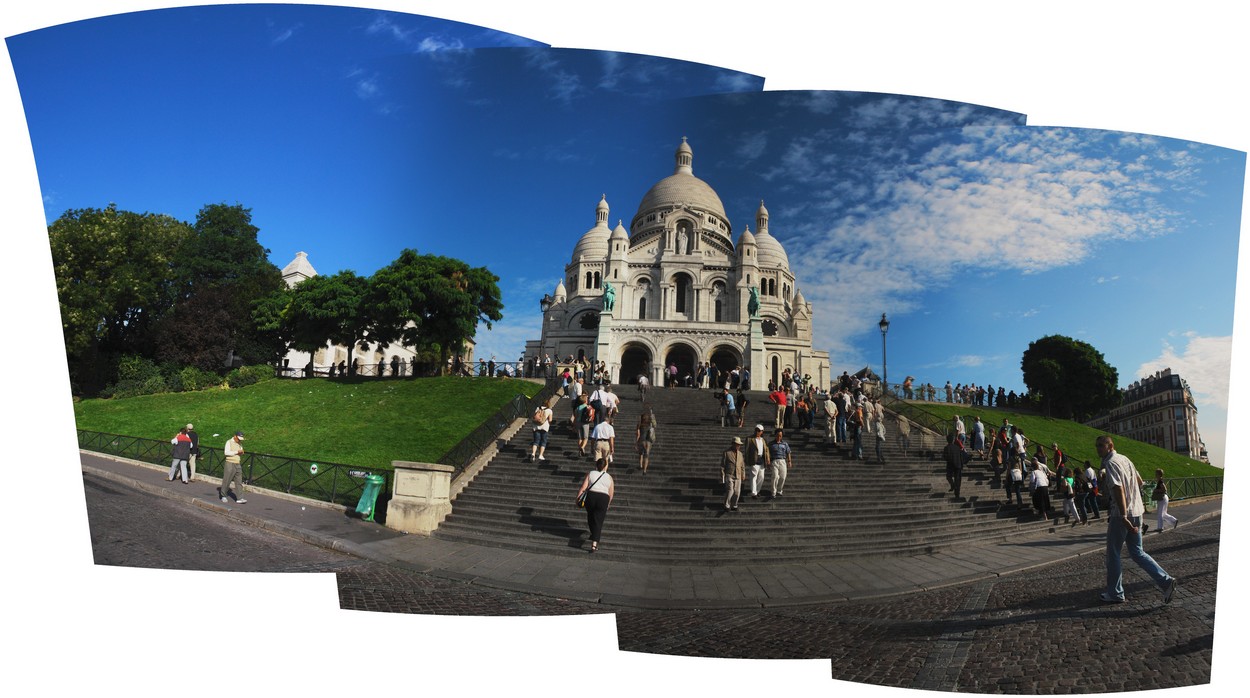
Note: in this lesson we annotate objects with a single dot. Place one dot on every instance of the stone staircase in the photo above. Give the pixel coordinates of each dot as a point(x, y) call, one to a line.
point(833, 506)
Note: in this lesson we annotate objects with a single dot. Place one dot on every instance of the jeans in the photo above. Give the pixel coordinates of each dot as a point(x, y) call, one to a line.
point(841, 429)
point(1012, 485)
point(1117, 536)
point(1091, 505)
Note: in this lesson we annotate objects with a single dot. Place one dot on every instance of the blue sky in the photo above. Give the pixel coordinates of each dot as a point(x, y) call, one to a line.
point(353, 133)
point(332, 100)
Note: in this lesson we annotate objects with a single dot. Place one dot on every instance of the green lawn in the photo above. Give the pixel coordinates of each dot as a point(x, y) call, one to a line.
point(363, 422)
point(1076, 440)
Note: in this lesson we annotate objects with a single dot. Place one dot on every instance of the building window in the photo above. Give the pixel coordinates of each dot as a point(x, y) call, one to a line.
point(590, 280)
point(642, 308)
point(597, 281)
point(717, 310)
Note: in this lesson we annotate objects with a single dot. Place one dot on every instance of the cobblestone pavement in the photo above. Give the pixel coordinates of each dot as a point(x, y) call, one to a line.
point(1041, 631)
point(132, 528)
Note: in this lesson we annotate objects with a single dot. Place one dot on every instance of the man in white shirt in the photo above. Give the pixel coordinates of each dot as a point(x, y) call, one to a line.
point(1124, 525)
point(604, 438)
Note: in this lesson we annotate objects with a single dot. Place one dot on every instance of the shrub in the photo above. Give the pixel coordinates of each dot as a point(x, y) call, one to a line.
point(247, 375)
point(195, 378)
point(136, 376)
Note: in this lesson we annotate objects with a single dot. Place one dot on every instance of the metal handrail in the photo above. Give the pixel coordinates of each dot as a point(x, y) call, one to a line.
point(916, 414)
point(471, 446)
point(339, 483)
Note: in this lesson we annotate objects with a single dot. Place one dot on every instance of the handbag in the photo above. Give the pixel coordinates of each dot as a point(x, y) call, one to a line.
point(581, 498)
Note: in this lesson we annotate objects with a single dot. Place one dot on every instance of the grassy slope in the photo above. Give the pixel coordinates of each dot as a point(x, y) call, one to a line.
point(1077, 440)
point(365, 422)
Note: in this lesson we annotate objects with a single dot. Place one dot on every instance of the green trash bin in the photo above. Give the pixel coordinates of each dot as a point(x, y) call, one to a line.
point(369, 498)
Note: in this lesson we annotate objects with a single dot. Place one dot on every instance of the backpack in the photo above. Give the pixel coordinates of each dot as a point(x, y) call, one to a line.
point(540, 416)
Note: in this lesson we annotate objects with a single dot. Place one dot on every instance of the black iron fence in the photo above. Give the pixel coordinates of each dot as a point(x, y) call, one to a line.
point(1185, 488)
point(329, 482)
point(481, 438)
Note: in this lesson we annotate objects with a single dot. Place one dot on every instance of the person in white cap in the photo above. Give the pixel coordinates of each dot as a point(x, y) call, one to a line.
point(232, 470)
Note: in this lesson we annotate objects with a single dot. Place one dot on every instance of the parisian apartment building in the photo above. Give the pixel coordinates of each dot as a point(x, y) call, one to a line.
point(1159, 410)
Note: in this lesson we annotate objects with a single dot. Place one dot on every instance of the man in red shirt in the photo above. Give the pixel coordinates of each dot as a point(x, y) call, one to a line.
point(778, 397)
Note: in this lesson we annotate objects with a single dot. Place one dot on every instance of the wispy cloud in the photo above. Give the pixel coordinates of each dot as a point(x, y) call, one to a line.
point(413, 37)
point(1203, 362)
point(284, 34)
point(934, 208)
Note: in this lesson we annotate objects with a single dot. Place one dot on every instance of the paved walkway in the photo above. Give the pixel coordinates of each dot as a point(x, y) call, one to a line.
point(633, 585)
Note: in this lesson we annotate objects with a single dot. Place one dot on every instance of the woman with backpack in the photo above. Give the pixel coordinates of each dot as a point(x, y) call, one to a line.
point(541, 421)
point(1067, 490)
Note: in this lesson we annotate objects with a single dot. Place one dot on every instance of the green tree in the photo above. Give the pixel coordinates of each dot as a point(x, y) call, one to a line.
point(222, 273)
point(115, 279)
point(432, 303)
point(1070, 377)
point(328, 308)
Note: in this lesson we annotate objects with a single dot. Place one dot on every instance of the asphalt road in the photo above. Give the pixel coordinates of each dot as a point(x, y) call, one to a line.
point(1040, 631)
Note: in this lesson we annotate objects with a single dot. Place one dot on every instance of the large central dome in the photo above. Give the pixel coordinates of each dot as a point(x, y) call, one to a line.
point(681, 187)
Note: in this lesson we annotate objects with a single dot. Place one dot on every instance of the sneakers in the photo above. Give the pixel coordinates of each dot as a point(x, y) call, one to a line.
point(1169, 590)
point(1107, 598)
point(225, 500)
point(240, 501)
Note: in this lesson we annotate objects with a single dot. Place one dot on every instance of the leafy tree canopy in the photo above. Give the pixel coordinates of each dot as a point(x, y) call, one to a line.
point(1071, 377)
point(328, 308)
point(114, 280)
point(429, 301)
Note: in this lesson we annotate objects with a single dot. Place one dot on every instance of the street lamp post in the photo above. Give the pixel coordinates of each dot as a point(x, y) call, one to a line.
point(545, 304)
point(885, 327)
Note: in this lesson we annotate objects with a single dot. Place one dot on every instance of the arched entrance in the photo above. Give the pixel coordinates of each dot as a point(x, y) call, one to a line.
point(635, 361)
point(725, 358)
point(684, 357)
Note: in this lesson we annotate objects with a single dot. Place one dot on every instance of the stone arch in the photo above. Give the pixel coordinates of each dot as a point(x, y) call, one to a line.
point(683, 293)
point(686, 356)
point(726, 357)
point(636, 360)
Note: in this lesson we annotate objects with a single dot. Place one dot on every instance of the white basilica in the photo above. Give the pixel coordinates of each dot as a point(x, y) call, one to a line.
point(676, 288)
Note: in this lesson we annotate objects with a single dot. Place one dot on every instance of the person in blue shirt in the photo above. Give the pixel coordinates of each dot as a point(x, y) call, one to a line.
point(782, 459)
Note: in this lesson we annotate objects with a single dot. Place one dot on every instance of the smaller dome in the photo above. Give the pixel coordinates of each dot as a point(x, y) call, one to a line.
point(594, 243)
point(771, 253)
point(746, 238)
point(620, 233)
point(560, 293)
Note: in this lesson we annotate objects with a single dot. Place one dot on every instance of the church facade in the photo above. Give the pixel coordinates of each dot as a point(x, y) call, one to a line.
point(675, 287)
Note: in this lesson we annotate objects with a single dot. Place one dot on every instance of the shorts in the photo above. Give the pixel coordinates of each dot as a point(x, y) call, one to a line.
point(540, 438)
point(583, 431)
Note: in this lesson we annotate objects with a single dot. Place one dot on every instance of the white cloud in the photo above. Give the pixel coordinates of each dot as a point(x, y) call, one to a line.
point(1203, 363)
point(934, 206)
point(285, 34)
